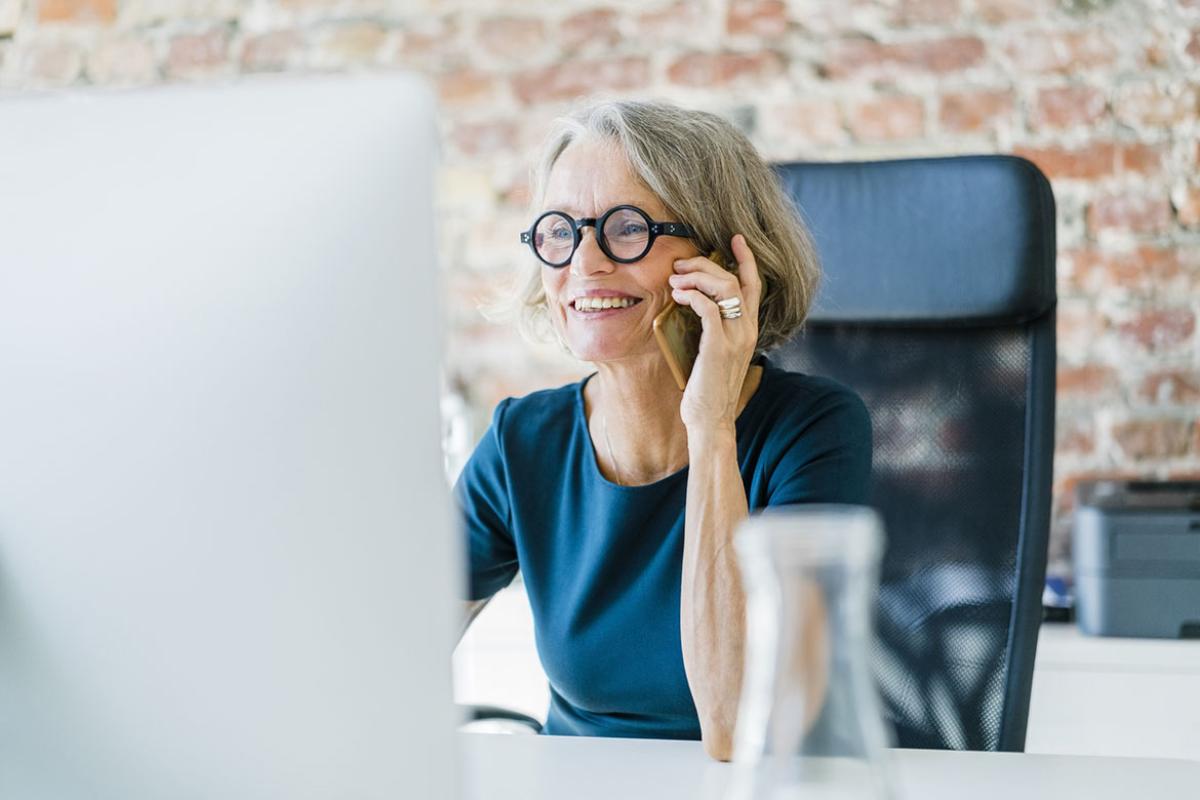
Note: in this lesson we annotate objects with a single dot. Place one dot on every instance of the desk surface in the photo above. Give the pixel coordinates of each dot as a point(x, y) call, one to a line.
point(520, 767)
point(1114, 697)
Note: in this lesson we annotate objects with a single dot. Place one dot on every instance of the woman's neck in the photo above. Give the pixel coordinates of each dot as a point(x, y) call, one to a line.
point(633, 415)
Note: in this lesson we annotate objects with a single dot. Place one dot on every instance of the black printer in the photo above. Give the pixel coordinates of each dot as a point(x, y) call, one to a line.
point(1136, 551)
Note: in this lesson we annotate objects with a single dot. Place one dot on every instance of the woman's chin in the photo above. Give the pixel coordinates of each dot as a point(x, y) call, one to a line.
point(598, 352)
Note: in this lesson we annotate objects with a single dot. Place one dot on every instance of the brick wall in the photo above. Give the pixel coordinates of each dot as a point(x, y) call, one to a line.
point(1102, 94)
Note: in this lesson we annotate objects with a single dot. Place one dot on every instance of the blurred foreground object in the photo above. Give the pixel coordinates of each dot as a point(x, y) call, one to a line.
point(226, 549)
point(810, 722)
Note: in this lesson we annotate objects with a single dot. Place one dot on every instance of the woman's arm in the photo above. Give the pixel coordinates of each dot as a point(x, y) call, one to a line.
point(713, 604)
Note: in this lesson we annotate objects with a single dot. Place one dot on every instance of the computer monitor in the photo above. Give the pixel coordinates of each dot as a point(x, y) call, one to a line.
point(226, 550)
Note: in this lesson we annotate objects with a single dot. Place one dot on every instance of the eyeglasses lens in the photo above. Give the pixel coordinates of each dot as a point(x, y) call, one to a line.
point(554, 238)
point(627, 233)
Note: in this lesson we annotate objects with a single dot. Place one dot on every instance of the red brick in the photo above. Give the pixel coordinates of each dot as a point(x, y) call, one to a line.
point(808, 121)
point(1153, 438)
point(271, 52)
point(764, 19)
point(1147, 267)
point(1157, 54)
point(1092, 161)
point(1067, 106)
point(852, 56)
point(518, 194)
point(351, 43)
point(597, 28)
point(1088, 379)
point(1161, 328)
point(52, 63)
point(1076, 437)
point(123, 61)
point(666, 23)
point(430, 42)
point(926, 12)
point(887, 118)
point(1078, 327)
point(511, 37)
point(1061, 51)
point(1139, 213)
point(1143, 159)
point(999, 11)
point(574, 79)
point(466, 87)
point(486, 138)
point(1188, 206)
point(1173, 387)
point(968, 112)
point(724, 69)
point(197, 54)
point(100, 12)
point(1154, 106)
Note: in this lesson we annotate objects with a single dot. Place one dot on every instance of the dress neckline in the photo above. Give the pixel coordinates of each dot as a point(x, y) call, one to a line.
point(581, 422)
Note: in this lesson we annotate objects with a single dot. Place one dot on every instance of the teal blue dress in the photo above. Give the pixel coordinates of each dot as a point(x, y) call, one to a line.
point(602, 562)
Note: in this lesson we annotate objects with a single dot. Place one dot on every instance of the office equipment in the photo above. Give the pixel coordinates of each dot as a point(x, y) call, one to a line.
point(225, 533)
point(937, 307)
point(1136, 551)
point(551, 767)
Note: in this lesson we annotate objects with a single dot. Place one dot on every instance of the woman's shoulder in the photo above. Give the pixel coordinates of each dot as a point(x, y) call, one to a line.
point(537, 413)
point(798, 393)
point(791, 408)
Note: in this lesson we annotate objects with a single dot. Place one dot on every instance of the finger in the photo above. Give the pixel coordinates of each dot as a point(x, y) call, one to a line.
point(719, 287)
point(700, 264)
point(748, 277)
point(702, 304)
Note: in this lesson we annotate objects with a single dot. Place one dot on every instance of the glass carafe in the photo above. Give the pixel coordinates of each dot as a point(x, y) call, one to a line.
point(810, 724)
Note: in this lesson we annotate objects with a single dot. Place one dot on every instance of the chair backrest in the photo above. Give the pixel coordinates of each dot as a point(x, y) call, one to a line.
point(937, 307)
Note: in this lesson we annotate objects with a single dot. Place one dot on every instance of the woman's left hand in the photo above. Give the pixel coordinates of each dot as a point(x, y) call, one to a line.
point(710, 401)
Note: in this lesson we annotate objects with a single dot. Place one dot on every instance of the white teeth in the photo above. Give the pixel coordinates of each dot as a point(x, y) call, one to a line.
point(601, 303)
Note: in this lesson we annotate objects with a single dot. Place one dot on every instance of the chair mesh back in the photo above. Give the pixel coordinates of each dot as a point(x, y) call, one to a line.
point(948, 408)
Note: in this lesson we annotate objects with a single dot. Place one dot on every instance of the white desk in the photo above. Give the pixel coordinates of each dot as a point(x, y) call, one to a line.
point(1114, 697)
point(1091, 696)
point(499, 767)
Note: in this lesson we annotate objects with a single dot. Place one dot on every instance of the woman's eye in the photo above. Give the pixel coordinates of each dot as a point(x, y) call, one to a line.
point(633, 229)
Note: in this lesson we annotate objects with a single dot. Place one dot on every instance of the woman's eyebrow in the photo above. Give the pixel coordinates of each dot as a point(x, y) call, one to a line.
point(574, 211)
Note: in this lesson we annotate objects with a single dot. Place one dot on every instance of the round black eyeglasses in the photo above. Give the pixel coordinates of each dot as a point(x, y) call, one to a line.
point(625, 234)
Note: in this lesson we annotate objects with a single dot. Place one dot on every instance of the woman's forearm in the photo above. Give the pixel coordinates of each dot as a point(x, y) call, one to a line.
point(712, 603)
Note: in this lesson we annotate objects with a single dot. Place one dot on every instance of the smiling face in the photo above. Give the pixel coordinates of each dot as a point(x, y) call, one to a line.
point(589, 178)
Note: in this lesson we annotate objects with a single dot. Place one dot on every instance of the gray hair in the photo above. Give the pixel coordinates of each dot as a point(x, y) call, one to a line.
point(708, 175)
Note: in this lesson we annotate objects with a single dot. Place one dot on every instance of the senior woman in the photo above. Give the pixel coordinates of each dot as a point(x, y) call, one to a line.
point(617, 497)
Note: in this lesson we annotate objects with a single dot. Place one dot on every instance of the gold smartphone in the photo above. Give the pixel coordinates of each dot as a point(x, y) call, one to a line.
point(677, 331)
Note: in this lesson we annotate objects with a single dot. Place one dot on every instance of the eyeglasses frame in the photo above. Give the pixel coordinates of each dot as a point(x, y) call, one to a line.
point(656, 229)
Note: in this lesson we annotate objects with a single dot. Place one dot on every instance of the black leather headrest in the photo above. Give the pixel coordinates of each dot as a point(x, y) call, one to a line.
point(967, 239)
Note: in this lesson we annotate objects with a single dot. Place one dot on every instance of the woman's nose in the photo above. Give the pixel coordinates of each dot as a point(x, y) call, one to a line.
point(589, 259)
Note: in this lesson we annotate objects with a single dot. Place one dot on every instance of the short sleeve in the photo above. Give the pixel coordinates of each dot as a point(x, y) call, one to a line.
point(483, 498)
point(826, 455)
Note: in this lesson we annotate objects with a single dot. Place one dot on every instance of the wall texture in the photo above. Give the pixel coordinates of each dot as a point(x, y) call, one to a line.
point(1102, 94)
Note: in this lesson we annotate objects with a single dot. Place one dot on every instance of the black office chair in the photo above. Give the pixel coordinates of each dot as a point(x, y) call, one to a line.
point(937, 307)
